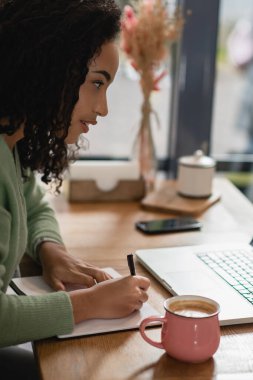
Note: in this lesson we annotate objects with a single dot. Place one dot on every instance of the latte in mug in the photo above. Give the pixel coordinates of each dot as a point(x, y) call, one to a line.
point(193, 309)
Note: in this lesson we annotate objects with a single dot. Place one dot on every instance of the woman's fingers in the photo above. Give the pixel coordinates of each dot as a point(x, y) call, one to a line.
point(55, 283)
point(88, 277)
point(143, 282)
point(144, 297)
point(80, 278)
point(98, 274)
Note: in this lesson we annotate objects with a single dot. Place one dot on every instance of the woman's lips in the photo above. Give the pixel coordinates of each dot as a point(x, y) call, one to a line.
point(85, 127)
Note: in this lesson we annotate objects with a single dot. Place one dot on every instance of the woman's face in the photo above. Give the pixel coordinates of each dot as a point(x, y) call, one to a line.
point(92, 100)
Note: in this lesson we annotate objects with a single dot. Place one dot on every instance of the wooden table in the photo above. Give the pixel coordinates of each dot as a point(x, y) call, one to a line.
point(103, 233)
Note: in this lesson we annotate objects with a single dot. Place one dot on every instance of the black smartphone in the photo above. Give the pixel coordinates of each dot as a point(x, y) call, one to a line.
point(160, 226)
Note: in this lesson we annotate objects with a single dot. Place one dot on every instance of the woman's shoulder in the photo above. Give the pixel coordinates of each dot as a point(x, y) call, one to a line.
point(9, 182)
point(5, 151)
point(6, 159)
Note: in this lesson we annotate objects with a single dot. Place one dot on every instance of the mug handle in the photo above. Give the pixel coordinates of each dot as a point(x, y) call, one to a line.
point(143, 325)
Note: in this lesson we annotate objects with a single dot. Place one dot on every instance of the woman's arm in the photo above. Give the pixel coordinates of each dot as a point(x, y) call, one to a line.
point(58, 265)
point(41, 221)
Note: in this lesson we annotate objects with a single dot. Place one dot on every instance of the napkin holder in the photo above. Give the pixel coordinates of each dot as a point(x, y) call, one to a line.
point(103, 180)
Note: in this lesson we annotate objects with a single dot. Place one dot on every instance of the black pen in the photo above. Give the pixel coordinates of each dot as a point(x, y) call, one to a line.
point(130, 261)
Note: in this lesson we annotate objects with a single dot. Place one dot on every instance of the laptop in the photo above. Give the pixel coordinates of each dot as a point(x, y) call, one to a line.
point(223, 272)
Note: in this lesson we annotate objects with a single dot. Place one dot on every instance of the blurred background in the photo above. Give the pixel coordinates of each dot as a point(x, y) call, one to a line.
point(205, 100)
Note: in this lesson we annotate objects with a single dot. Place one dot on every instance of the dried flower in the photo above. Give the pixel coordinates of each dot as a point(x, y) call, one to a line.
point(147, 30)
point(146, 34)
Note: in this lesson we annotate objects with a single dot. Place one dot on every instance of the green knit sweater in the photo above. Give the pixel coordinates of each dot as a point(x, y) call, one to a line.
point(26, 217)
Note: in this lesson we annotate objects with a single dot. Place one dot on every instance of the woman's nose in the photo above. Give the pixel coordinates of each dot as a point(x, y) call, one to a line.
point(101, 107)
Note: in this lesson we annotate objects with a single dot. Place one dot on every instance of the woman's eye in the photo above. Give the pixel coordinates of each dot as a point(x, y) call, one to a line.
point(98, 83)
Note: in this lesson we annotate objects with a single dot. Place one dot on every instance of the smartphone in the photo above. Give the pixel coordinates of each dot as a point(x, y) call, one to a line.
point(160, 226)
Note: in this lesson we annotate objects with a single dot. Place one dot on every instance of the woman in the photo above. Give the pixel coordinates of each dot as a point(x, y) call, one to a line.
point(57, 60)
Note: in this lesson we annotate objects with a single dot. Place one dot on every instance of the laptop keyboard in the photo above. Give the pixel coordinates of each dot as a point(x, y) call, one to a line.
point(235, 267)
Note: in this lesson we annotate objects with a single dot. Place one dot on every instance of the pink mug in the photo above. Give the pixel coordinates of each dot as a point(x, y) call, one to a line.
point(190, 328)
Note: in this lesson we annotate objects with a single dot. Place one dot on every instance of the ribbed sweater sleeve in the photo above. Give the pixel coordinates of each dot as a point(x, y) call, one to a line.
point(24, 318)
point(41, 221)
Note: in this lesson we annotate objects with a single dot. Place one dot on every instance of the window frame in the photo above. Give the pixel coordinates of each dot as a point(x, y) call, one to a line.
point(193, 82)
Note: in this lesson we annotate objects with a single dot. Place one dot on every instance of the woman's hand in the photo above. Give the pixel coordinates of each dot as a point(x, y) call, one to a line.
point(59, 268)
point(115, 298)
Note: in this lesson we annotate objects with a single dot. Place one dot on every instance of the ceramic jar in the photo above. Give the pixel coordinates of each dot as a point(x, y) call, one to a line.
point(195, 175)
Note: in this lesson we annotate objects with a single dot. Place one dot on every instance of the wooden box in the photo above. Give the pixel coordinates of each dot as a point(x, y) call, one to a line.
point(87, 191)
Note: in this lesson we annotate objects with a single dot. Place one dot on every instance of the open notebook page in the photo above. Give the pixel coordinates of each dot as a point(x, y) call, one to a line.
point(36, 285)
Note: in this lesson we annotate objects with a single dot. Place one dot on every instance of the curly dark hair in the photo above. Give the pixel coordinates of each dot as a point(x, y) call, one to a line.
point(45, 50)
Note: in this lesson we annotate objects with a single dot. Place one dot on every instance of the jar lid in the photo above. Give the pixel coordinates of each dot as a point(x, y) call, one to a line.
point(197, 160)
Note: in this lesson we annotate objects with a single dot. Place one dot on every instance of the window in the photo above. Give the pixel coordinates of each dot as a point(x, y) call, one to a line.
point(212, 98)
point(232, 130)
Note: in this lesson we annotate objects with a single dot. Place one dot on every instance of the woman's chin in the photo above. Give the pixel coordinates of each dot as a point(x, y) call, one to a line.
point(72, 140)
point(80, 140)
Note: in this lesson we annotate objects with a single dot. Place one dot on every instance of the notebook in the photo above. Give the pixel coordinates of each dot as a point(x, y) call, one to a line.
point(36, 285)
point(223, 272)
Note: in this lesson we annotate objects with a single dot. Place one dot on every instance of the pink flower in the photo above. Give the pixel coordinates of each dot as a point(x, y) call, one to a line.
point(157, 80)
point(145, 32)
point(128, 25)
point(130, 17)
point(134, 65)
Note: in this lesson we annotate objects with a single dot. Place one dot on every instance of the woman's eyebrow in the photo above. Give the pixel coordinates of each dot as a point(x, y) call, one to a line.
point(104, 73)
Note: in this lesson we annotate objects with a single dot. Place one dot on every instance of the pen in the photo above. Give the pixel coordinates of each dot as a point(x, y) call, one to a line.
point(130, 261)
